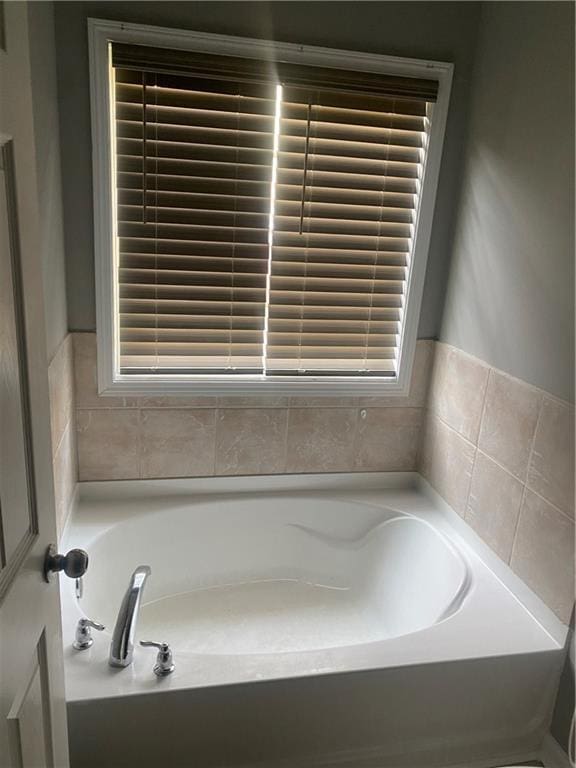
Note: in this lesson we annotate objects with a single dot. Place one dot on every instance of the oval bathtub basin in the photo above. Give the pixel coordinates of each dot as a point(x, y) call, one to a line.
point(338, 623)
point(282, 575)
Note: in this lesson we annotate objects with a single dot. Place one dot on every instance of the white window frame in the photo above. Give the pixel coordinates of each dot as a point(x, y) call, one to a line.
point(110, 382)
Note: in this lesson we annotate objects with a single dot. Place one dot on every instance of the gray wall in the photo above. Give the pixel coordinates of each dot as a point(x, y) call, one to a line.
point(510, 299)
point(47, 146)
point(438, 30)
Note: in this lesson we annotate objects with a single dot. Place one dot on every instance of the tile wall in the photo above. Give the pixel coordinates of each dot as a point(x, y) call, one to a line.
point(62, 420)
point(498, 450)
point(158, 437)
point(501, 453)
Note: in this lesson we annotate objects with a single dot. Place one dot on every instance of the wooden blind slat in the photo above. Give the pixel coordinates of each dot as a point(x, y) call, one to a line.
point(183, 253)
point(208, 281)
point(370, 227)
point(346, 84)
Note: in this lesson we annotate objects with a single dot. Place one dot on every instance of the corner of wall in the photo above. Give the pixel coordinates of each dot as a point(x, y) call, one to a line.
point(501, 454)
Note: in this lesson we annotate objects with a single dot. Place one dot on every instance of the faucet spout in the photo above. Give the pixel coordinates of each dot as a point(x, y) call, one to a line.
point(122, 645)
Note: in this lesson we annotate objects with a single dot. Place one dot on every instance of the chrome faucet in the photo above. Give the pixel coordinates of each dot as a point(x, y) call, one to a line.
point(122, 645)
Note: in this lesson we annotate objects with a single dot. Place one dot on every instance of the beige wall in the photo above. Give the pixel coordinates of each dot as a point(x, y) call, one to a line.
point(501, 453)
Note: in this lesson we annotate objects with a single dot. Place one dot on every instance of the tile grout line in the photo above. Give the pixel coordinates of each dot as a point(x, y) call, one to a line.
point(550, 504)
point(60, 347)
point(528, 485)
point(140, 444)
point(427, 415)
point(426, 411)
point(285, 470)
point(476, 449)
point(452, 429)
point(356, 438)
point(524, 483)
point(71, 416)
point(525, 488)
point(501, 466)
point(74, 414)
point(469, 490)
point(215, 427)
point(502, 372)
point(217, 431)
point(198, 407)
point(70, 422)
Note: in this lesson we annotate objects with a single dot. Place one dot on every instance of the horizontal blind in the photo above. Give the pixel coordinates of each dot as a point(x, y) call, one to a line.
point(193, 159)
point(242, 251)
point(240, 69)
point(349, 170)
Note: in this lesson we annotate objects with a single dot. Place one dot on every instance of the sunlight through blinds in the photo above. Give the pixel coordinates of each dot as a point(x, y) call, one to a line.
point(265, 214)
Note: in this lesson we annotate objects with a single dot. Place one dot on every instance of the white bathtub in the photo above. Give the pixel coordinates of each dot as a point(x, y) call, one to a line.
point(380, 632)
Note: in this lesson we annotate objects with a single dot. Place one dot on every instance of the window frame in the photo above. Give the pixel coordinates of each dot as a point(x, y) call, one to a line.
point(110, 382)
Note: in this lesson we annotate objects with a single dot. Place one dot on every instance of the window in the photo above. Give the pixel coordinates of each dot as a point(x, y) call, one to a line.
point(262, 218)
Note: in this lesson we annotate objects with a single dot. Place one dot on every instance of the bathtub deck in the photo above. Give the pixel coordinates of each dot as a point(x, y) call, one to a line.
point(277, 674)
point(277, 630)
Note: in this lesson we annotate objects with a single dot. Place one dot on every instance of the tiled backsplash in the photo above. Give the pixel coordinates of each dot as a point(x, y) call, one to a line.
point(155, 437)
point(501, 453)
point(62, 420)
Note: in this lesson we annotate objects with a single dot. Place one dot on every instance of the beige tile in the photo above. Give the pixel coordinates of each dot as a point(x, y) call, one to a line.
point(86, 377)
point(387, 439)
point(446, 461)
point(253, 401)
point(65, 476)
point(251, 441)
point(169, 401)
point(509, 422)
point(421, 371)
point(108, 444)
point(543, 554)
point(321, 439)
point(551, 471)
point(61, 383)
point(177, 443)
point(457, 390)
point(494, 505)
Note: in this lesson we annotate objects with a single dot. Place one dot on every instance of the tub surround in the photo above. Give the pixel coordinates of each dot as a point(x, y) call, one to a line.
point(324, 521)
point(498, 455)
point(491, 693)
point(501, 453)
point(63, 426)
point(160, 437)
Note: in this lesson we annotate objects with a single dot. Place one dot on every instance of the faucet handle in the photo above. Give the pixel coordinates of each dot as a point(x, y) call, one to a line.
point(83, 638)
point(164, 660)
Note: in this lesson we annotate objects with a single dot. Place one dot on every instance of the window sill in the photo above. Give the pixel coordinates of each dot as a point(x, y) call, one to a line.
point(249, 386)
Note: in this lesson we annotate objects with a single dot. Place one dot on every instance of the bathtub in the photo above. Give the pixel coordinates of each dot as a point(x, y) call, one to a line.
point(330, 620)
